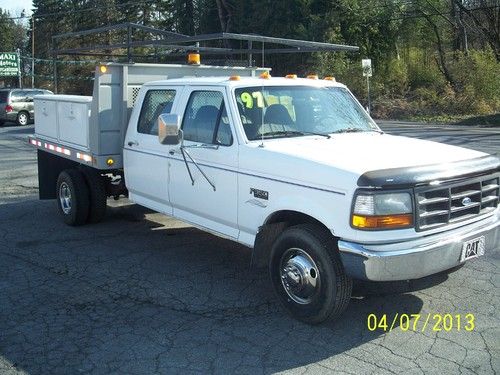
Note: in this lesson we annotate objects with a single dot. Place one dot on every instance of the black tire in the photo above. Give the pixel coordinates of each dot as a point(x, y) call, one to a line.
point(23, 118)
point(72, 181)
point(98, 196)
point(332, 290)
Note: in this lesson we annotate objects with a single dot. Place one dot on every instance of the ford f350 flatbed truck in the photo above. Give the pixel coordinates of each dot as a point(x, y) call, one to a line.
point(293, 168)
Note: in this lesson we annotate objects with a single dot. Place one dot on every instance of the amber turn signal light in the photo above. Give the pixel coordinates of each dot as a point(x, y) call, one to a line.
point(382, 221)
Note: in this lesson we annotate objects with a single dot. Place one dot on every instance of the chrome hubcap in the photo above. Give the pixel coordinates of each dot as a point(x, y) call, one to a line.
point(299, 275)
point(65, 198)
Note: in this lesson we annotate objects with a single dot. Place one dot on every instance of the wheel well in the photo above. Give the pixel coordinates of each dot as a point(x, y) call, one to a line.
point(292, 218)
point(24, 111)
point(274, 225)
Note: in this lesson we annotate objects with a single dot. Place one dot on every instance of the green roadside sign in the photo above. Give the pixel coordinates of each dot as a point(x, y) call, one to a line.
point(9, 64)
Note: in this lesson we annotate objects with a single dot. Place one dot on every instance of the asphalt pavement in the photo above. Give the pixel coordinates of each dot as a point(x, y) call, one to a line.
point(141, 293)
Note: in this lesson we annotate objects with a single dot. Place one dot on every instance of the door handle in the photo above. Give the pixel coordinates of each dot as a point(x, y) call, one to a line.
point(133, 143)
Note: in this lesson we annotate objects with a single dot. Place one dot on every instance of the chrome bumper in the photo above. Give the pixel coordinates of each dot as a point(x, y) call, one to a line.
point(417, 258)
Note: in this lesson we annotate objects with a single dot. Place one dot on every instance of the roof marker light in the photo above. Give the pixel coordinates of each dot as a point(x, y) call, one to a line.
point(291, 76)
point(265, 75)
point(234, 78)
point(312, 76)
point(329, 78)
point(194, 59)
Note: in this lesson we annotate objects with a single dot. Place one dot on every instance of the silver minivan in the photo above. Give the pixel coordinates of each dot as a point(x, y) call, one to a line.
point(16, 105)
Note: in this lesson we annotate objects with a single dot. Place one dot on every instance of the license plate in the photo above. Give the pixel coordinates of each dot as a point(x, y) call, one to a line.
point(472, 249)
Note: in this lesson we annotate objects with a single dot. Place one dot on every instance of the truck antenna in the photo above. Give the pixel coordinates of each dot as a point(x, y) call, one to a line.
point(263, 105)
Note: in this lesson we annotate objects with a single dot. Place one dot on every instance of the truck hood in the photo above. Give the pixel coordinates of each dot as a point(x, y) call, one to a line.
point(340, 162)
point(361, 152)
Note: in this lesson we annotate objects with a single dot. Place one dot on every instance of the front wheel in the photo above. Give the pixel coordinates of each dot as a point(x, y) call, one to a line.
point(308, 275)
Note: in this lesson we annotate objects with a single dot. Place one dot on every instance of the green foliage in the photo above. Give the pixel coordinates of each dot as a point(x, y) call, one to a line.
point(417, 47)
point(6, 32)
point(394, 79)
point(478, 73)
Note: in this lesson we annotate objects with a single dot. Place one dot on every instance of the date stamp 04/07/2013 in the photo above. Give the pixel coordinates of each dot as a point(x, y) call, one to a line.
point(421, 322)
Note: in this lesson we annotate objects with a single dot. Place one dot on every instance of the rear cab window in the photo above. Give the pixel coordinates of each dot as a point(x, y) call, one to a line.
point(156, 102)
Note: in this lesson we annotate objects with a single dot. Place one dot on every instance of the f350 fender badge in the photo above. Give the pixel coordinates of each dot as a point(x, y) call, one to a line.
point(262, 194)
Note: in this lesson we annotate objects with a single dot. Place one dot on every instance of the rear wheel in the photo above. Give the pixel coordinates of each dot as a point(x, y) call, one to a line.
point(98, 196)
point(72, 197)
point(308, 275)
point(23, 118)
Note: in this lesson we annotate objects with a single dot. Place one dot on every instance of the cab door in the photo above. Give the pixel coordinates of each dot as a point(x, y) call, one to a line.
point(209, 202)
point(145, 159)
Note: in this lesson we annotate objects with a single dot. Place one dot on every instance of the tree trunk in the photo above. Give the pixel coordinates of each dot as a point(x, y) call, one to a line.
point(441, 60)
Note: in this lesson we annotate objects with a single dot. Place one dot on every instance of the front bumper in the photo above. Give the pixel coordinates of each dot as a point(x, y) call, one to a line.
point(417, 258)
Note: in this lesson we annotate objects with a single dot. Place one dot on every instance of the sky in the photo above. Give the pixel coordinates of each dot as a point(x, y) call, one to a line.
point(16, 6)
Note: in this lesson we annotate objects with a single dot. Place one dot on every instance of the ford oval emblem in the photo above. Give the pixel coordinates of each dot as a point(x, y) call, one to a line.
point(466, 201)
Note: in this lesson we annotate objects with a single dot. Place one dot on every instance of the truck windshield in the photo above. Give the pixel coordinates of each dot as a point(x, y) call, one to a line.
point(291, 111)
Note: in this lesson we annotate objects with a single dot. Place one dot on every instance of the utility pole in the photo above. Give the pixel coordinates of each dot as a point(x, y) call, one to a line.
point(19, 77)
point(33, 51)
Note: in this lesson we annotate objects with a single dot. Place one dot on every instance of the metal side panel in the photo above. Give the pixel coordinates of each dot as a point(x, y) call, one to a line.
point(46, 118)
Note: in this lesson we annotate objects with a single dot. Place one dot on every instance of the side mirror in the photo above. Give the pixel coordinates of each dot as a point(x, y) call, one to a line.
point(169, 129)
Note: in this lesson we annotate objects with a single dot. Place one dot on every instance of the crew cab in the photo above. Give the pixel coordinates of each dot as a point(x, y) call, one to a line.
point(294, 168)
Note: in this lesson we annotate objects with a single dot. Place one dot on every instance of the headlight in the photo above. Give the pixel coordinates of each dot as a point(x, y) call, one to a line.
point(382, 211)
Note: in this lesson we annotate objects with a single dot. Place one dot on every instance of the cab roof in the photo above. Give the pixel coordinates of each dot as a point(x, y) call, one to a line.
point(245, 82)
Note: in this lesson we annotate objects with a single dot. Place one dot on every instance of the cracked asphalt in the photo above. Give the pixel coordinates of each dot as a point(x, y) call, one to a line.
point(144, 294)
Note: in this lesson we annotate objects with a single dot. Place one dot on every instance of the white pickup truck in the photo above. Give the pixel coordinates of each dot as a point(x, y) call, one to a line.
point(293, 168)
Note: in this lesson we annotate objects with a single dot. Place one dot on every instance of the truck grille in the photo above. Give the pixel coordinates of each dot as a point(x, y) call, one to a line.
point(455, 202)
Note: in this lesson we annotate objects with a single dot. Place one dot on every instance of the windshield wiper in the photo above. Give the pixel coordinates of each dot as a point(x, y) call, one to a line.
point(292, 132)
point(350, 130)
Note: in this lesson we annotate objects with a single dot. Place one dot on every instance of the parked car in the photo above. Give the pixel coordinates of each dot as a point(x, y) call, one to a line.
point(16, 105)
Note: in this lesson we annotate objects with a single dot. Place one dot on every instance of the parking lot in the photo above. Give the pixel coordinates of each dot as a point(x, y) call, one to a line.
point(141, 293)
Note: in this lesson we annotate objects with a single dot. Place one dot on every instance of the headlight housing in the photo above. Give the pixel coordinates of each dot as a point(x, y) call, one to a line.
point(382, 210)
